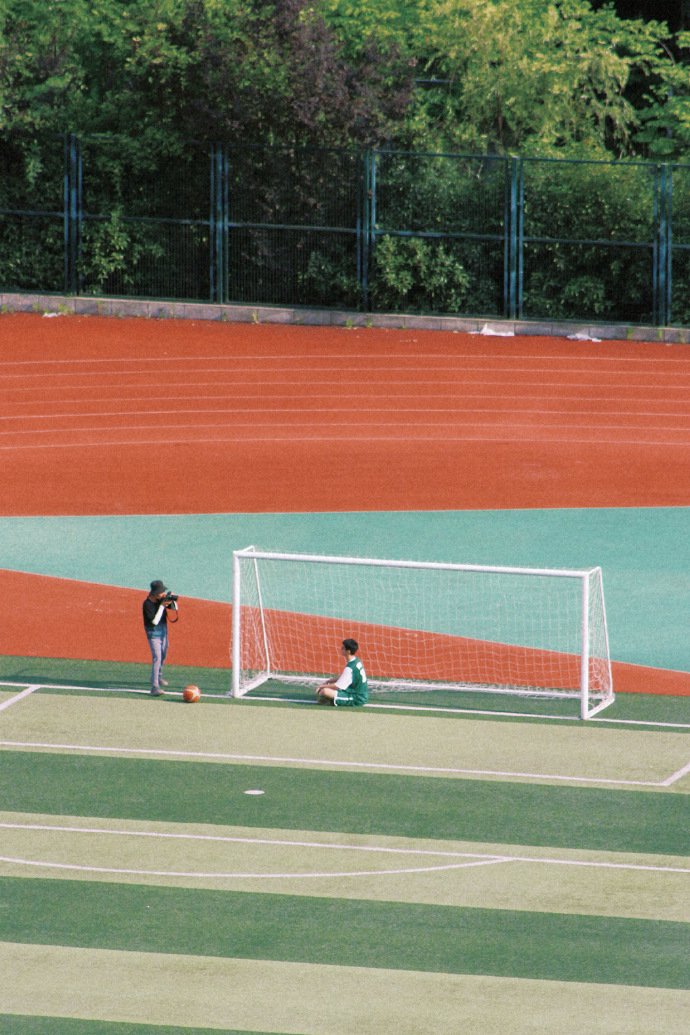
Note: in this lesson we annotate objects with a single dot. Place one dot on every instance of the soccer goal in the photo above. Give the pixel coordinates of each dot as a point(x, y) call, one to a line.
point(421, 626)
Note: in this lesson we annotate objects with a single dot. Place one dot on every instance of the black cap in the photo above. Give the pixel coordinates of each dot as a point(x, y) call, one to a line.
point(158, 587)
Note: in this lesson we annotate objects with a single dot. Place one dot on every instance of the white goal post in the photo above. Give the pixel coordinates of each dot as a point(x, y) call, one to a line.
point(421, 626)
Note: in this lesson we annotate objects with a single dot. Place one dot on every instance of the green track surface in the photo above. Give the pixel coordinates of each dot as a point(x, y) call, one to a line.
point(468, 810)
point(644, 554)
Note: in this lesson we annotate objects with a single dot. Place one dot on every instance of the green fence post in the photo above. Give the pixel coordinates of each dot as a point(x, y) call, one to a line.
point(66, 181)
point(212, 257)
point(365, 225)
point(513, 241)
point(665, 243)
point(656, 241)
point(661, 249)
point(521, 239)
point(218, 224)
point(72, 212)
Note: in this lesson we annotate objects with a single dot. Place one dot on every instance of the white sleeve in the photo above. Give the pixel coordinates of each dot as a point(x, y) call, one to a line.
point(344, 679)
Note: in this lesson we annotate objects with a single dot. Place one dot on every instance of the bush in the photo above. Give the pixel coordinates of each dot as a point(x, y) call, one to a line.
point(418, 274)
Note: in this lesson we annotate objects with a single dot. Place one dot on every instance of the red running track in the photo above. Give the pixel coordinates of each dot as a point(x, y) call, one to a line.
point(89, 621)
point(111, 416)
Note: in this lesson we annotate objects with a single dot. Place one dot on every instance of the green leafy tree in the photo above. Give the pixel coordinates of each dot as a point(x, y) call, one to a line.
point(276, 72)
point(209, 68)
point(532, 76)
point(664, 105)
point(537, 76)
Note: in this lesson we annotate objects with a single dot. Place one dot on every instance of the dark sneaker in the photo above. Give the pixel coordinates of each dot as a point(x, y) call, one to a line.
point(157, 692)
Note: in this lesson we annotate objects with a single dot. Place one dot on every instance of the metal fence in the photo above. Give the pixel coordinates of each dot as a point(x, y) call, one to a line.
point(378, 230)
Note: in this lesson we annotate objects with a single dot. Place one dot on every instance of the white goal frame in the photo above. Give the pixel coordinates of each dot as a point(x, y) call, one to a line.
point(592, 699)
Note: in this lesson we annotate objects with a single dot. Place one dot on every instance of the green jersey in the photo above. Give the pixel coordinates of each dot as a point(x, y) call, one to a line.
point(359, 687)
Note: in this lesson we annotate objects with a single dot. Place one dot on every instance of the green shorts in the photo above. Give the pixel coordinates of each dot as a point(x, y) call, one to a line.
point(345, 700)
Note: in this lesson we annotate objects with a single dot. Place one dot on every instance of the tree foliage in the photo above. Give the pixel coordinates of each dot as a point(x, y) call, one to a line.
point(536, 76)
point(147, 85)
point(208, 69)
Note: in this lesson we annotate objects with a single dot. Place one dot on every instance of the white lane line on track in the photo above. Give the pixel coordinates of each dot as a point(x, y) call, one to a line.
point(462, 402)
point(372, 368)
point(384, 356)
point(460, 382)
point(441, 439)
point(531, 426)
point(406, 439)
point(533, 415)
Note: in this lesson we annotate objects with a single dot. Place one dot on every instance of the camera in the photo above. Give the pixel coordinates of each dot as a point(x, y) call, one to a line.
point(170, 598)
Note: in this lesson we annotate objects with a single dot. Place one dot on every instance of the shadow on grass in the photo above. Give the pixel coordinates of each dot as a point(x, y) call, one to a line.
point(102, 675)
point(105, 675)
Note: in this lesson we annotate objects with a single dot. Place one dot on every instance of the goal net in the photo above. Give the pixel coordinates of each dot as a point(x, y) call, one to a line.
point(421, 626)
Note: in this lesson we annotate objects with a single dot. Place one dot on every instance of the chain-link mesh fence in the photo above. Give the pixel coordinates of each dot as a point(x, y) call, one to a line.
point(294, 217)
point(487, 236)
point(678, 280)
point(588, 241)
point(440, 233)
point(32, 214)
point(144, 222)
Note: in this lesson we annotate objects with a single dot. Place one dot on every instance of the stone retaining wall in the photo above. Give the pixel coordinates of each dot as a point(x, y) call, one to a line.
point(161, 310)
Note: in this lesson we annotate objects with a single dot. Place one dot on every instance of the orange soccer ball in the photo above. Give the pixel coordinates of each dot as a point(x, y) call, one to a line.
point(191, 693)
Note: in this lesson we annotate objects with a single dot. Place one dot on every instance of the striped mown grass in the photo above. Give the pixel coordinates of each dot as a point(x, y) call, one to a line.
point(119, 914)
point(359, 803)
point(336, 932)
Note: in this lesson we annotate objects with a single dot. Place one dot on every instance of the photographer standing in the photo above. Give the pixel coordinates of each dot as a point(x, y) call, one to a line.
point(159, 601)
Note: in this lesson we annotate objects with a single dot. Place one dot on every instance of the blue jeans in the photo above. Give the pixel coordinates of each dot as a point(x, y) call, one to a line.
point(158, 642)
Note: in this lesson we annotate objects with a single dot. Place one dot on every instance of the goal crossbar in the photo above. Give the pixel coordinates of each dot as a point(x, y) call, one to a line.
point(252, 554)
point(422, 625)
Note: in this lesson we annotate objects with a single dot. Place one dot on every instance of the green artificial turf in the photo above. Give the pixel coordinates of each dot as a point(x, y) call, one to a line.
point(389, 935)
point(14, 1024)
point(109, 674)
point(99, 674)
point(303, 799)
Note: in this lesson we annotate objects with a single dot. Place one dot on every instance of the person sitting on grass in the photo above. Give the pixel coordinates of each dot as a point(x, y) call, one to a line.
point(350, 689)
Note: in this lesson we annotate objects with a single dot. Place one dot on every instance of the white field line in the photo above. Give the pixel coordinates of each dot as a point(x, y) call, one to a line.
point(469, 858)
point(280, 759)
point(18, 697)
point(374, 705)
point(251, 876)
point(98, 689)
point(477, 711)
point(327, 762)
point(676, 776)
